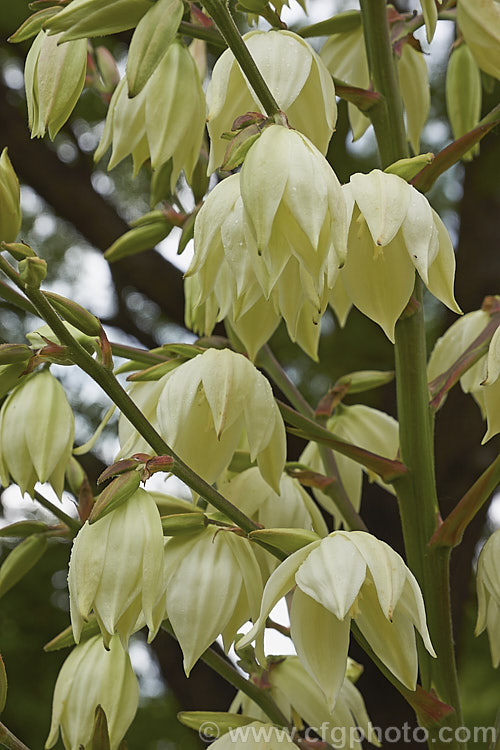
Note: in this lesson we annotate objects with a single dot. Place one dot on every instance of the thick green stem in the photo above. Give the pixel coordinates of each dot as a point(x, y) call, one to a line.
point(226, 670)
point(390, 129)
point(416, 490)
point(227, 27)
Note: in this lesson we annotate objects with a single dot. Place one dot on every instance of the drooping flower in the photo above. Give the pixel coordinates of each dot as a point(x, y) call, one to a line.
point(228, 279)
point(10, 207)
point(296, 77)
point(36, 433)
point(479, 22)
point(393, 232)
point(54, 76)
point(482, 380)
point(348, 575)
point(93, 676)
point(363, 426)
point(488, 594)
point(214, 585)
point(208, 404)
point(117, 570)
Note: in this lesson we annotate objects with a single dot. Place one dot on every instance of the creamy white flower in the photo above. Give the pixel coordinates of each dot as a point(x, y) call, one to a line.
point(488, 594)
point(93, 676)
point(348, 575)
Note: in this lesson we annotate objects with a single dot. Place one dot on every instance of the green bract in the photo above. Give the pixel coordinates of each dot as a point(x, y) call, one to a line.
point(54, 77)
point(36, 434)
point(296, 77)
point(92, 676)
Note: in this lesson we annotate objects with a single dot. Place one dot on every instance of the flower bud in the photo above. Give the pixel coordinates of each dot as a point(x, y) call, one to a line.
point(108, 69)
point(116, 570)
point(10, 207)
point(488, 594)
point(208, 404)
point(138, 239)
point(296, 77)
point(92, 676)
point(32, 271)
point(415, 91)
point(393, 231)
point(75, 314)
point(88, 18)
point(479, 22)
point(54, 76)
point(463, 94)
point(36, 433)
point(430, 13)
point(214, 585)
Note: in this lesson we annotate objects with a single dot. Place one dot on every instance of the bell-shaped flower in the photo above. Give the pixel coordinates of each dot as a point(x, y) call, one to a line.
point(415, 92)
point(349, 574)
point(367, 428)
point(255, 736)
point(10, 206)
point(293, 508)
point(93, 676)
point(479, 22)
point(208, 404)
point(214, 585)
point(488, 594)
point(36, 433)
point(294, 207)
point(164, 121)
point(117, 570)
point(463, 94)
point(296, 77)
point(54, 75)
point(89, 18)
point(482, 380)
point(297, 694)
point(145, 395)
point(393, 231)
point(229, 279)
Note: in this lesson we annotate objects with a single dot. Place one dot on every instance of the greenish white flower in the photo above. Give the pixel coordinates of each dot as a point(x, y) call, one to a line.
point(117, 570)
point(348, 575)
point(164, 121)
point(145, 395)
point(463, 94)
point(54, 75)
point(393, 232)
point(482, 380)
point(36, 433)
point(93, 676)
point(229, 279)
point(294, 207)
point(214, 585)
point(10, 206)
point(89, 18)
point(479, 22)
point(210, 403)
point(415, 92)
point(296, 77)
point(255, 736)
point(362, 426)
point(488, 594)
point(430, 13)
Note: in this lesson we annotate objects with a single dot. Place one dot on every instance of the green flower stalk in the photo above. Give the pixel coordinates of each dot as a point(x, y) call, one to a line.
point(295, 75)
point(348, 575)
point(54, 76)
point(488, 594)
point(116, 570)
point(93, 676)
point(10, 207)
point(36, 434)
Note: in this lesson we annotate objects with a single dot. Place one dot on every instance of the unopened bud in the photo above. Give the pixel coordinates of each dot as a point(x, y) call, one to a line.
point(23, 529)
point(183, 523)
point(19, 250)
point(75, 314)
point(13, 353)
point(408, 168)
point(21, 560)
point(239, 147)
point(137, 240)
point(32, 25)
point(115, 494)
point(284, 540)
point(365, 380)
point(463, 94)
point(10, 207)
point(32, 271)
point(108, 68)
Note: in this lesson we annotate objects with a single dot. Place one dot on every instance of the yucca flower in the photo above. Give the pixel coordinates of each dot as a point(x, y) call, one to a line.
point(296, 77)
point(488, 594)
point(365, 427)
point(210, 403)
point(214, 585)
point(93, 676)
point(479, 22)
point(116, 570)
point(10, 207)
point(482, 380)
point(393, 232)
point(348, 575)
point(36, 433)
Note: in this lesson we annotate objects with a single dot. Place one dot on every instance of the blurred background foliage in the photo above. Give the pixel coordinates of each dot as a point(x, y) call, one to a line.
point(72, 211)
